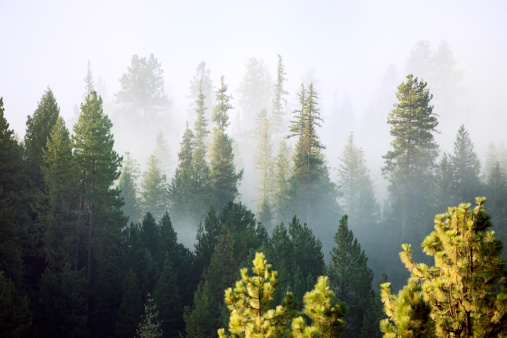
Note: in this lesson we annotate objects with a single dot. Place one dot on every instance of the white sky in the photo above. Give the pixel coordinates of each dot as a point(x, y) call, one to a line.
point(348, 43)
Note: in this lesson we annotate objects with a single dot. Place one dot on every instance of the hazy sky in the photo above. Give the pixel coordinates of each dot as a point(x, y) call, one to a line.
point(349, 44)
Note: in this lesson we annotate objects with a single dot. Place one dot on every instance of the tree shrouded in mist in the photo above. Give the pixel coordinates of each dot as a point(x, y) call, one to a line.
point(142, 95)
point(409, 165)
point(279, 101)
point(224, 179)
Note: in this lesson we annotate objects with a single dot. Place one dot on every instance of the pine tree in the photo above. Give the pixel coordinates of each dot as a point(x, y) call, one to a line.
point(206, 239)
point(131, 306)
point(154, 189)
point(326, 314)
point(162, 153)
point(350, 277)
point(409, 166)
point(279, 102)
point(150, 325)
point(263, 160)
point(464, 293)
point(357, 189)
point(128, 187)
point(249, 303)
point(496, 188)
point(99, 166)
point(142, 96)
point(224, 179)
point(38, 131)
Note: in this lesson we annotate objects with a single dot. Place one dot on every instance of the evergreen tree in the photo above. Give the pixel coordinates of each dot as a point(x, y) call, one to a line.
point(254, 93)
point(128, 187)
point(279, 102)
point(131, 306)
point(99, 166)
point(282, 173)
point(409, 166)
point(162, 153)
point(181, 192)
point(202, 84)
point(326, 314)
point(15, 319)
point(311, 194)
point(249, 304)
point(357, 189)
point(350, 277)
point(38, 131)
point(142, 97)
point(206, 239)
point(496, 188)
point(200, 169)
point(13, 224)
point(263, 160)
point(150, 325)
point(88, 80)
point(224, 179)
point(202, 319)
point(465, 168)
point(154, 189)
point(464, 293)
point(62, 224)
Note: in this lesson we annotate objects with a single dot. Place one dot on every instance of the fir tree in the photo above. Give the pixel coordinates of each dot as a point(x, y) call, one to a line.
point(15, 319)
point(154, 189)
point(181, 192)
point(200, 169)
point(128, 187)
point(263, 160)
point(279, 102)
point(88, 80)
point(224, 179)
point(357, 189)
point(282, 173)
point(465, 168)
point(350, 277)
point(202, 319)
point(202, 84)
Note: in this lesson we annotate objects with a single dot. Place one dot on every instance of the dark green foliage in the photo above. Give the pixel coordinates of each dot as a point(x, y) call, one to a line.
point(15, 319)
point(13, 224)
point(61, 308)
point(128, 187)
point(350, 277)
point(297, 256)
point(207, 237)
point(131, 306)
point(154, 189)
point(496, 188)
point(167, 295)
point(38, 131)
point(203, 318)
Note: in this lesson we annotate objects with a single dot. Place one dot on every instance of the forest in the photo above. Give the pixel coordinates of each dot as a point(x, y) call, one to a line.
point(110, 227)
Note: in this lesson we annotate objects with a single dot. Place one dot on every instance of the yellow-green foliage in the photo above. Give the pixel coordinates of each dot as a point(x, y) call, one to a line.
point(252, 316)
point(466, 287)
point(323, 310)
point(250, 300)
